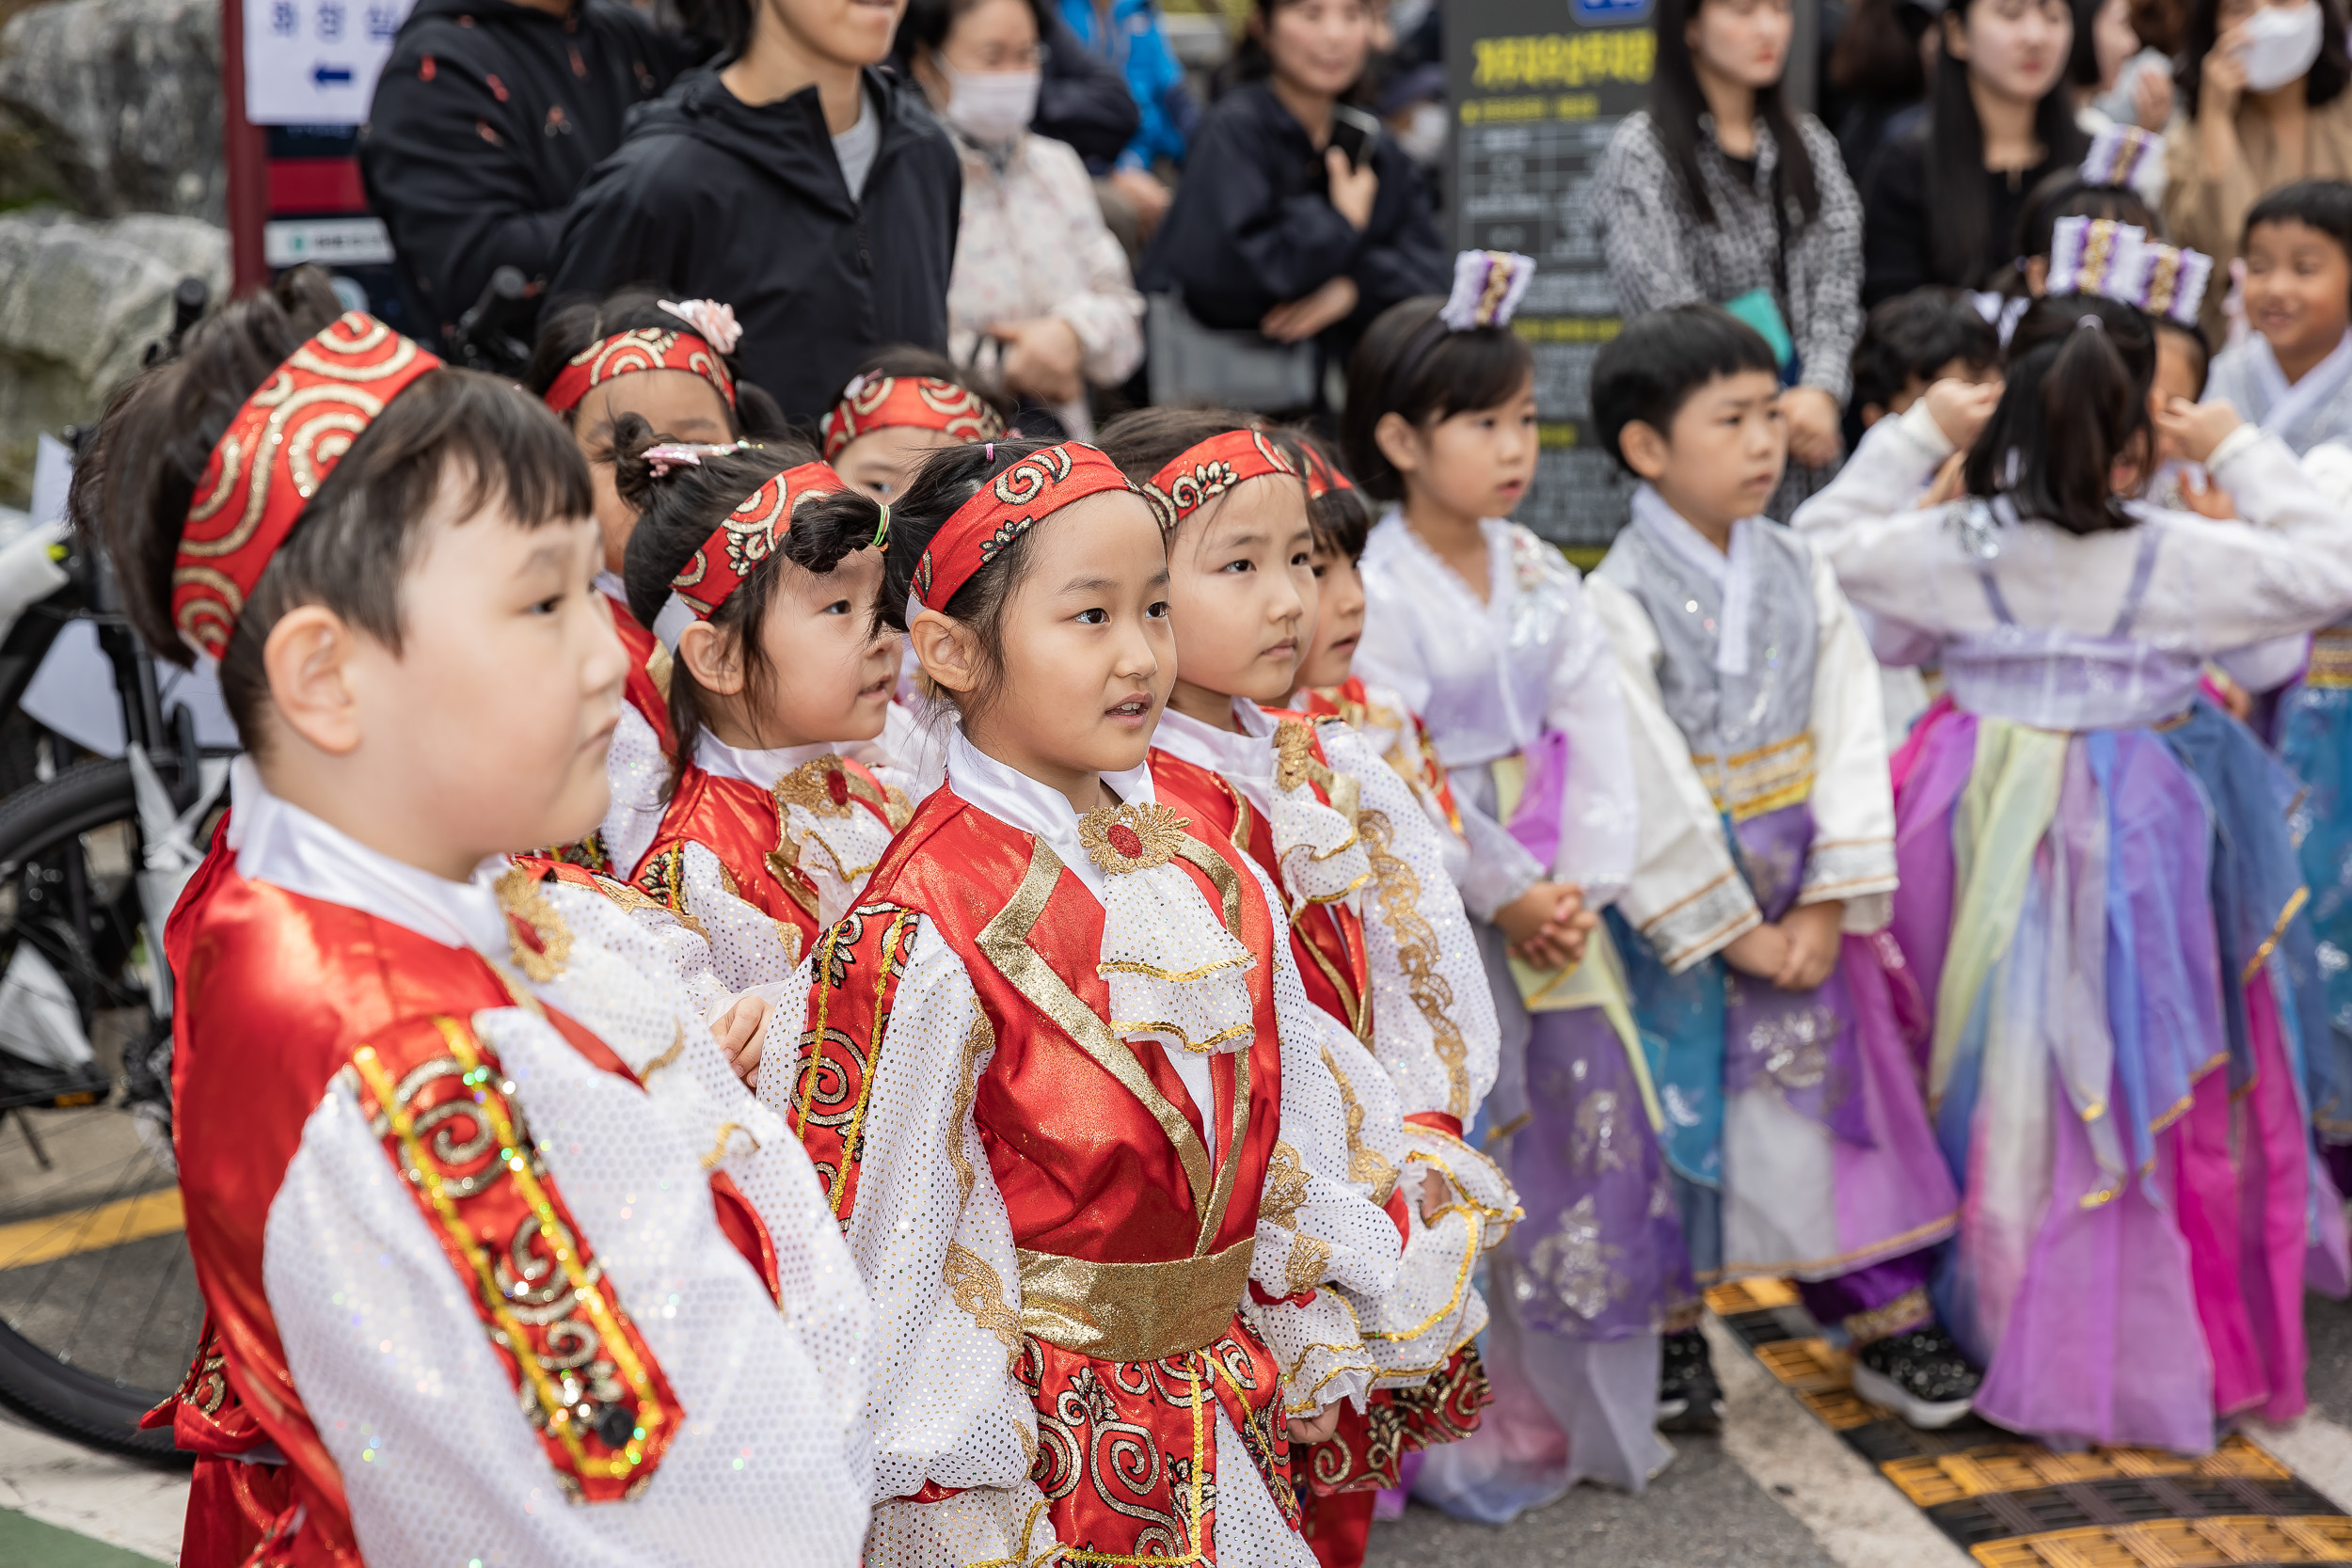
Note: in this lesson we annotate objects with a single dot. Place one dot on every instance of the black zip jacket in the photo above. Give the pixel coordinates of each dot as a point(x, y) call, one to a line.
point(713, 199)
point(485, 123)
point(1263, 231)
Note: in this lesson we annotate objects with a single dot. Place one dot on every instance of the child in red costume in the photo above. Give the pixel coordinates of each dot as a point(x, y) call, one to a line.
point(499, 1261)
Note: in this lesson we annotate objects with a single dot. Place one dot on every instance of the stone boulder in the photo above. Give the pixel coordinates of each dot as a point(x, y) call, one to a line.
point(79, 303)
point(113, 106)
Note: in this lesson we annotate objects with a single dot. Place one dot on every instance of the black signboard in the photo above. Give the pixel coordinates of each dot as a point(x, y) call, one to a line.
point(1538, 87)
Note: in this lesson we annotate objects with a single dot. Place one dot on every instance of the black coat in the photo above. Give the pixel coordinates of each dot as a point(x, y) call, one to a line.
point(485, 123)
point(1082, 100)
point(1253, 226)
point(713, 199)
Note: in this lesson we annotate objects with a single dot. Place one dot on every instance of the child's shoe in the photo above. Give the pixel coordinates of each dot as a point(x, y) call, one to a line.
point(1920, 1374)
point(1689, 1398)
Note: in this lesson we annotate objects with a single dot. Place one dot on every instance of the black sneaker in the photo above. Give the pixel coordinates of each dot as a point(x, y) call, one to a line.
point(1689, 1398)
point(1920, 1375)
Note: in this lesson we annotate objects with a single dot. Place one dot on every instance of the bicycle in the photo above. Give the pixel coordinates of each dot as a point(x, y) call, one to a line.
point(98, 1307)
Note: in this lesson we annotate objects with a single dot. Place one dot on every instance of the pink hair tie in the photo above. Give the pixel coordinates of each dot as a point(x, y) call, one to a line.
point(661, 459)
point(990, 455)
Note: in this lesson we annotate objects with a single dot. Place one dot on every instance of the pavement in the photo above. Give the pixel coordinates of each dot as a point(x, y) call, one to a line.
point(1778, 1489)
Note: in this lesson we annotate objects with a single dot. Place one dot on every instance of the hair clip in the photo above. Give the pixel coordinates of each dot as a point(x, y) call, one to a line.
point(2171, 284)
point(1488, 288)
point(669, 454)
point(2095, 256)
point(2090, 320)
point(2125, 155)
point(713, 322)
point(988, 453)
point(881, 527)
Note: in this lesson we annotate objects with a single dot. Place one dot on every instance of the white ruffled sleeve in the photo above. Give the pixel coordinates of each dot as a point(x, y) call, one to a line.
point(638, 771)
point(1686, 896)
point(1852, 855)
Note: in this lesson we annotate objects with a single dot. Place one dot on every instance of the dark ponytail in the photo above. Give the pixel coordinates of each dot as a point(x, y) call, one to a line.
point(2075, 403)
point(357, 534)
point(682, 507)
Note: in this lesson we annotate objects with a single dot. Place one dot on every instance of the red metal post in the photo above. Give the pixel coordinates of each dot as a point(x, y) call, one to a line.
point(246, 150)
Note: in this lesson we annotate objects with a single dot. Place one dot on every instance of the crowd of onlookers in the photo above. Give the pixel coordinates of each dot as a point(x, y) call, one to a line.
point(1006, 181)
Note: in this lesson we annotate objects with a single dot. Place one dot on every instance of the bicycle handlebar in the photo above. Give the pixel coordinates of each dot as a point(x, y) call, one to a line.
point(494, 334)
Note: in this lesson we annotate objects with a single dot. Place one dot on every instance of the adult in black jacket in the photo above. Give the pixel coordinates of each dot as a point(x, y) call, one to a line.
point(813, 193)
point(485, 123)
point(1287, 235)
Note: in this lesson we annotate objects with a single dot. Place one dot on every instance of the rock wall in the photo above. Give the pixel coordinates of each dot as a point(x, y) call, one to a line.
point(112, 188)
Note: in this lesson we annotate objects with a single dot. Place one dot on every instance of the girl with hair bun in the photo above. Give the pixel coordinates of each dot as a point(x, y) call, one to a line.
point(1082, 1127)
point(1376, 927)
point(440, 1120)
point(2097, 893)
point(768, 832)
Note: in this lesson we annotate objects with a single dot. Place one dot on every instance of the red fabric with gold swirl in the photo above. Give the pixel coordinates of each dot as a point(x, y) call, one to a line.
point(643, 348)
point(1202, 473)
point(908, 402)
point(272, 457)
point(744, 540)
point(1322, 475)
point(1038, 487)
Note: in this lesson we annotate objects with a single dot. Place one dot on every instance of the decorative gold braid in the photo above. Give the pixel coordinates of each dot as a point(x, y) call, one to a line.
point(1416, 955)
point(980, 1290)
point(1364, 1164)
point(1285, 1190)
point(1303, 1272)
point(981, 1039)
point(1159, 832)
point(522, 898)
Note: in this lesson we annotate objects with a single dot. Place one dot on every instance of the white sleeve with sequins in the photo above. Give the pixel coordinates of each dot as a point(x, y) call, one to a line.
point(930, 1236)
point(384, 1341)
point(748, 947)
point(1686, 895)
point(1852, 854)
point(638, 771)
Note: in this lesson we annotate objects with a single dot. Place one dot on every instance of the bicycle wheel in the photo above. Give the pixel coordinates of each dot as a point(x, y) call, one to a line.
point(98, 1307)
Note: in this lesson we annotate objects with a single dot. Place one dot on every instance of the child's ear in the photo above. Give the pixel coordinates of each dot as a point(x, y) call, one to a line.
point(1398, 441)
point(712, 658)
point(946, 650)
point(307, 659)
point(1645, 448)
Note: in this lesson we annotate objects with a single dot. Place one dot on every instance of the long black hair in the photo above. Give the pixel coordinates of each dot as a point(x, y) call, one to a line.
point(2074, 403)
point(1960, 225)
point(1676, 103)
point(2328, 76)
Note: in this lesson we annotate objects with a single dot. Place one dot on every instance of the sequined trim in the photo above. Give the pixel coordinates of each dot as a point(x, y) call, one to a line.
point(1417, 956)
point(978, 1290)
point(1365, 1163)
point(1912, 1309)
point(2331, 661)
point(1750, 784)
point(1133, 1311)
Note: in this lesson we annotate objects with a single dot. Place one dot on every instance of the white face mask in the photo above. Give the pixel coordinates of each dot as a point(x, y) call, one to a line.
point(991, 107)
point(2280, 44)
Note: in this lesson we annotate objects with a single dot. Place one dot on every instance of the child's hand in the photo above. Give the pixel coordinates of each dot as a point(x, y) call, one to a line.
point(739, 1031)
point(1760, 952)
point(1961, 408)
point(1951, 481)
point(2194, 429)
point(1436, 1192)
point(1315, 1428)
point(1814, 938)
point(2207, 500)
point(1812, 418)
point(1545, 925)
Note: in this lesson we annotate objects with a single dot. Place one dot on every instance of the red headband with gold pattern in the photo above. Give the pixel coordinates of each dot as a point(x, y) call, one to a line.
point(643, 348)
point(739, 544)
point(875, 402)
point(272, 457)
point(1322, 475)
point(1202, 473)
point(1008, 507)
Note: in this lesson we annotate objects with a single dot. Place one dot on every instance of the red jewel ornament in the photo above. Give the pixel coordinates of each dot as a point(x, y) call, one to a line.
point(1125, 840)
point(525, 933)
point(837, 787)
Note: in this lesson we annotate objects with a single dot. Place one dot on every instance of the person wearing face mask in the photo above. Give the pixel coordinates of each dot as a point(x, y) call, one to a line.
point(1717, 193)
point(1040, 298)
point(812, 192)
point(1312, 221)
point(2263, 87)
point(1942, 199)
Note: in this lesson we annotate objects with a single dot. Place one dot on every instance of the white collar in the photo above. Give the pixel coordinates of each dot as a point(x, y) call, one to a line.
point(1733, 574)
point(1012, 797)
point(1393, 535)
point(2290, 403)
point(278, 842)
point(757, 767)
point(1221, 751)
point(612, 587)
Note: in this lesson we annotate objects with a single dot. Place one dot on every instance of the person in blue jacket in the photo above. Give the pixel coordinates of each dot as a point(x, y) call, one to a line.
point(1127, 34)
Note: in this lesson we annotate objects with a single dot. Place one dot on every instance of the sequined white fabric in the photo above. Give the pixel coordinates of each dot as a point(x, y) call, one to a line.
point(836, 852)
point(639, 772)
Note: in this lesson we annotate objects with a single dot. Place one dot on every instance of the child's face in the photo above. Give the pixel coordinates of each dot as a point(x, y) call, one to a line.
point(1089, 654)
point(1242, 593)
point(1721, 457)
point(509, 664)
point(883, 462)
point(677, 403)
point(830, 670)
point(1475, 464)
point(2177, 371)
point(2299, 288)
point(1339, 621)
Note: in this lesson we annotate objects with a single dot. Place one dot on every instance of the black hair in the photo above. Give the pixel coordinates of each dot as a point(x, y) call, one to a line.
point(2075, 402)
point(1915, 335)
point(2065, 194)
point(1408, 365)
point(1142, 441)
point(359, 534)
point(2322, 204)
point(907, 360)
point(2202, 29)
point(571, 326)
point(1650, 369)
point(1959, 215)
point(1253, 62)
point(678, 511)
point(2081, 61)
point(1676, 103)
point(926, 23)
point(2195, 334)
point(1876, 57)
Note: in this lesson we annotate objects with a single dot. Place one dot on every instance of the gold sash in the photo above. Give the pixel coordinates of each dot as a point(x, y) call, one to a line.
point(1133, 1311)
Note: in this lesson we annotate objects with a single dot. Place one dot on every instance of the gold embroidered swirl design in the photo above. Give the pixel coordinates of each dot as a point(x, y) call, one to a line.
point(522, 899)
point(978, 1042)
point(1364, 1163)
point(980, 1291)
point(1285, 1190)
point(1417, 956)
